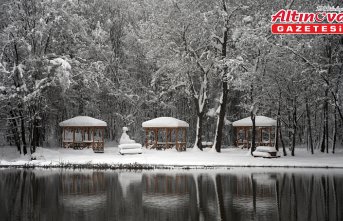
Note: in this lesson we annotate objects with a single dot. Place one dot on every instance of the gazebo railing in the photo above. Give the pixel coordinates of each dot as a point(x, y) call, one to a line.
point(179, 143)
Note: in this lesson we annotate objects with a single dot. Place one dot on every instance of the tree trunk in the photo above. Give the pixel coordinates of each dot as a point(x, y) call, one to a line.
point(15, 131)
point(278, 125)
point(220, 122)
point(219, 188)
point(294, 129)
point(282, 143)
point(200, 103)
point(35, 136)
point(327, 125)
point(334, 132)
point(253, 135)
point(309, 128)
point(198, 137)
point(23, 137)
point(325, 139)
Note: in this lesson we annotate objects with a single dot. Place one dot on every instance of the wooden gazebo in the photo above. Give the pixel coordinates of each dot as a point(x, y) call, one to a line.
point(83, 132)
point(264, 129)
point(165, 132)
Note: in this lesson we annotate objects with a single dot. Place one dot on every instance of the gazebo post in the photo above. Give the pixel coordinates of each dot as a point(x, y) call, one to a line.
point(269, 137)
point(64, 137)
point(146, 137)
point(261, 129)
point(176, 138)
point(103, 134)
point(167, 137)
point(184, 137)
point(82, 133)
point(93, 132)
point(237, 133)
point(64, 134)
point(245, 136)
point(156, 137)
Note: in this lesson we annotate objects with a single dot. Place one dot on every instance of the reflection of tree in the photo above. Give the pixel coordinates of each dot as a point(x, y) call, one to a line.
point(295, 207)
point(220, 197)
point(29, 195)
point(309, 206)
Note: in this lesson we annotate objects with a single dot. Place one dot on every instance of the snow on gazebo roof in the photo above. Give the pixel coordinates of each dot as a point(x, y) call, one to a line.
point(164, 122)
point(83, 121)
point(260, 121)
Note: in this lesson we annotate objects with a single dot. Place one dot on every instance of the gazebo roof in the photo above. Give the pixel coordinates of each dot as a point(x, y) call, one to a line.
point(165, 122)
point(260, 121)
point(83, 121)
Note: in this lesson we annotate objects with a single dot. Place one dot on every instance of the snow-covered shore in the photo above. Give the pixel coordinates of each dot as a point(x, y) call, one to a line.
point(229, 157)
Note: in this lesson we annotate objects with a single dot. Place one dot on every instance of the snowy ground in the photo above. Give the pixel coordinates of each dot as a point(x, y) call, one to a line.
point(229, 157)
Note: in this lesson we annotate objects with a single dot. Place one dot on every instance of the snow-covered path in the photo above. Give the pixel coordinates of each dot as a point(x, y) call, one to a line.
point(229, 157)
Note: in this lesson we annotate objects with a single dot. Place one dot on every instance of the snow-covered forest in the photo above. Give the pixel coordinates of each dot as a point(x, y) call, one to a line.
point(206, 62)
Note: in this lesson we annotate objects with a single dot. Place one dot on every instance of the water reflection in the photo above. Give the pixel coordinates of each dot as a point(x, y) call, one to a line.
point(171, 195)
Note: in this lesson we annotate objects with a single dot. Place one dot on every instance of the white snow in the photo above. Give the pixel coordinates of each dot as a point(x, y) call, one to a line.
point(211, 112)
point(265, 149)
point(248, 19)
point(260, 121)
point(62, 72)
point(165, 122)
point(60, 61)
point(229, 157)
point(130, 146)
point(83, 121)
point(125, 138)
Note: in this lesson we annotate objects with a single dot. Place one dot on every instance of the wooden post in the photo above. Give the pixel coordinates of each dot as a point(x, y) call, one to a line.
point(176, 138)
point(82, 133)
point(270, 136)
point(63, 137)
point(261, 137)
point(184, 138)
point(237, 137)
point(170, 134)
point(103, 135)
point(146, 137)
point(167, 137)
point(73, 135)
point(156, 137)
point(245, 137)
point(93, 132)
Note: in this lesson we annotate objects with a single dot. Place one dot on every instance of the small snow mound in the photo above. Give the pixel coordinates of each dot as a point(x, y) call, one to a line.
point(195, 149)
point(42, 153)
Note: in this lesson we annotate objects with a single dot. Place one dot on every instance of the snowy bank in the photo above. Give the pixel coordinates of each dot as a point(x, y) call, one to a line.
point(229, 157)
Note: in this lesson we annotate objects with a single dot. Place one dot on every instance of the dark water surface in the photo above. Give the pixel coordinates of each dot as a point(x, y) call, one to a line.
point(235, 194)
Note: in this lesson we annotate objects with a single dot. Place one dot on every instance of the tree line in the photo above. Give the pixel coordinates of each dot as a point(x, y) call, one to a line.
point(208, 63)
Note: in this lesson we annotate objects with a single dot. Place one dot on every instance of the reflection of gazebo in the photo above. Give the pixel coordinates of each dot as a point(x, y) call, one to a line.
point(82, 131)
point(264, 126)
point(167, 126)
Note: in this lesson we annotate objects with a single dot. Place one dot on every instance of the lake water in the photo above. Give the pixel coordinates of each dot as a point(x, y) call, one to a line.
point(233, 194)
